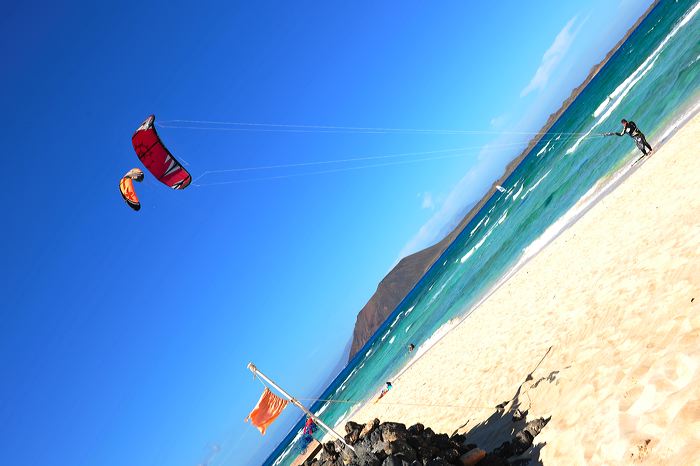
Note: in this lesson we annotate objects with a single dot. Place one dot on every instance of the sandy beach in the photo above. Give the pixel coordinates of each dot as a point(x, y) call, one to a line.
point(607, 320)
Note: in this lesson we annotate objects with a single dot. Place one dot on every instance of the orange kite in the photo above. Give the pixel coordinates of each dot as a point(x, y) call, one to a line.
point(266, 411)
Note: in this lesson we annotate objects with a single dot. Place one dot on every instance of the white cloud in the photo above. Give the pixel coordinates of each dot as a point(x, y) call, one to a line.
point(553, 56)
point(428, 202)
point(489, 165)
point(499, 121)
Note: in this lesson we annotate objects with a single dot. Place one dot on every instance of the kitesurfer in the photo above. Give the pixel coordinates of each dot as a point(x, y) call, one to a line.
point(629, 127)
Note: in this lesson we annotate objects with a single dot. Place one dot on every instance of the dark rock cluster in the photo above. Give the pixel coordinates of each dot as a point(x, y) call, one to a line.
point(393, 444)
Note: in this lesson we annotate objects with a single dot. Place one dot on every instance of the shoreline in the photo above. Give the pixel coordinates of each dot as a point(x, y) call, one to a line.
point(604, 187)
point(415, 373)
point(432, 253)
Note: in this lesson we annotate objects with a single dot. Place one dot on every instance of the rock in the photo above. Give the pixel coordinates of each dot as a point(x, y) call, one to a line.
point(416, 429)
point(395, 461)
point(521, 442)
point(339, 446)
point(428, 452)
point(393, 431)
point(352, 426)
point(519, 415)
point(472, 457)
point(401, 448)
point(363, 451)
point(441, 441)
point(347, 456)
point(352, 437)
point(504, 451)
point(375, 442)
point(451, 455)
point(331, 462)
point(369, 428)
point(459, 439)
point(329, 455)
point(536, 426)
point(502, 406)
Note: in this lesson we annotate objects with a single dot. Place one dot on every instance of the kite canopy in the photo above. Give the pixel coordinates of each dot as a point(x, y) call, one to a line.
point(157, 158)
point(126, 186)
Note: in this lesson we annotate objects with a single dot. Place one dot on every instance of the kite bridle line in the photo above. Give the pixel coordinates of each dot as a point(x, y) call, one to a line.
point(464, 151)
point(287, 128)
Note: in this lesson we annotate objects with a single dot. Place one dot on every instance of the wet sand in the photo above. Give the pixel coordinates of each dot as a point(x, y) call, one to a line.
point(606, 319)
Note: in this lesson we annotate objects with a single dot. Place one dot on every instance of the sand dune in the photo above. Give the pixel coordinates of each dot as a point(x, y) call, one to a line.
point(617, 299)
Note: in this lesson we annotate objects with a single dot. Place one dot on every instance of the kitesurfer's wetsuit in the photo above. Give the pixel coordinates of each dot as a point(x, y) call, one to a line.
point(631, 129)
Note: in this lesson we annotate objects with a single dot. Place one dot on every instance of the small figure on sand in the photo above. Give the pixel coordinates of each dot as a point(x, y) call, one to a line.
point(411, 347)
point(385, 390)
point(629, 127)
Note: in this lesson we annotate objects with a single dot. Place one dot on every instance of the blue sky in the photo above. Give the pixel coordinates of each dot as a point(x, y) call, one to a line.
point(124, 336)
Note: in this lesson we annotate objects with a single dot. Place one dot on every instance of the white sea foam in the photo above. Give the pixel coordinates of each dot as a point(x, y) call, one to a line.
point(322, 409)
point(619, 94)
point(587, 200)
point(391, 342)
point(543, 149)
point(287, 450)
point(396, 320)
point(477, 245)
point(339, 423)
point(347, 379)
point(532, 188)
point(410, 309)
point(386, 335)
point(515, 196)
point(409, 326)
point(612, 107)
point(602, 107)
point(477, 226)
point(467, 255)
point(503, 216)
point(510, 191)
point(434, 297)
point(368, 352)
point(558, 138)
point(680, 121)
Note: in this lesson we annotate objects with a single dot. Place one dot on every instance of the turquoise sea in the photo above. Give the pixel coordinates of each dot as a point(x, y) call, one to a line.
point(654, 80)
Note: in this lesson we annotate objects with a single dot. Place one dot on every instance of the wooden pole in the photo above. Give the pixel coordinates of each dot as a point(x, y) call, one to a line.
point(292, 400)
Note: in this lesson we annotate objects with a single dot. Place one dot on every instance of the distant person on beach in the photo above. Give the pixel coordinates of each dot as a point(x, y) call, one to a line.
point(629, 127)
point(411, 347)
point(385, 390)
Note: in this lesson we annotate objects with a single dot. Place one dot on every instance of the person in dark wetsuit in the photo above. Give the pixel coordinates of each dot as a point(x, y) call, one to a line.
point(629, 127)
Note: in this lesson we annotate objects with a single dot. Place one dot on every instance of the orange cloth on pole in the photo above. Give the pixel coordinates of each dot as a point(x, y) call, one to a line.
point(266, 411)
